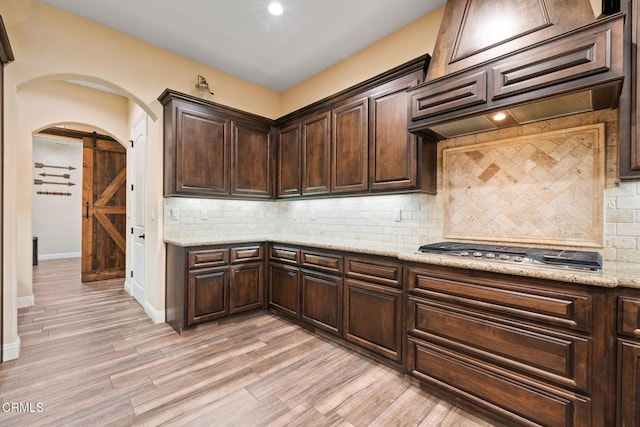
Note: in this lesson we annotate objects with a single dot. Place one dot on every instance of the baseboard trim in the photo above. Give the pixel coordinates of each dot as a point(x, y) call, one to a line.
point(11, 351)
point(127, 286)
point(60, 255)
point(24, 302)
point(157, 316)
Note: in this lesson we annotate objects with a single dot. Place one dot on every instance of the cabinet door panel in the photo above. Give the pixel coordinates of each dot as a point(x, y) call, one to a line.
point(349, 149)
point(322, 301)
point(629, 383)
point(246, 287)
point(208, 295)
point(373, 318)
point(289, 157)
point(251, 161)
point(393, 156)
point(316, 156)
point(284, 289)
point(202, 165)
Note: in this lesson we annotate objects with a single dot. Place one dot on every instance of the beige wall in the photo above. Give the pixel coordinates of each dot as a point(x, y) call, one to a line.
point(412, 41)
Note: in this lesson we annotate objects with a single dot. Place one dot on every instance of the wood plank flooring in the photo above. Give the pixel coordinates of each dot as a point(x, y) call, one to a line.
point(91, 357)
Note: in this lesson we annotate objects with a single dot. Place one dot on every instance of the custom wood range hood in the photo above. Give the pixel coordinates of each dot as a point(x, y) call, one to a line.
point(501, 63)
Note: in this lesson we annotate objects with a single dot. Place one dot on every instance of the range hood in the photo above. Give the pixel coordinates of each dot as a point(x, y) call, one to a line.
point(502, 63)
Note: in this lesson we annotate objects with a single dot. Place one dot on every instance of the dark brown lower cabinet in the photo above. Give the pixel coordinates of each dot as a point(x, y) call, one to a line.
point(208, 295)
point(205, 283)
point(525, 351)
point(321, 301)
point(284, 289)
point(246, 287)
point(372, 317)
point(629, 379)
point(628, 316)
point(520, 400)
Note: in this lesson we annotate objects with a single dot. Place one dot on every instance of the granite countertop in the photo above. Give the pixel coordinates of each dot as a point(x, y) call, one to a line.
point(612, 275)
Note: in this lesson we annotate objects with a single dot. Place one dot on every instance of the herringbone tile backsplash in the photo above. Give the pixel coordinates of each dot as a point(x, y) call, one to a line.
point(545, 189)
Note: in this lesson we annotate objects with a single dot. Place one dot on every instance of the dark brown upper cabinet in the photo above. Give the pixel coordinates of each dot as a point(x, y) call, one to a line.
point(393, 157)
point(289, 154)
point(356, 142)
point(316, 161)
point(252, 160)
point(350, 145)
point(628, 130)
point(215, 151)
point(353, 142)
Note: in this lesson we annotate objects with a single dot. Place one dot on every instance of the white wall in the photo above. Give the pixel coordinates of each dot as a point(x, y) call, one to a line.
point(57, 219)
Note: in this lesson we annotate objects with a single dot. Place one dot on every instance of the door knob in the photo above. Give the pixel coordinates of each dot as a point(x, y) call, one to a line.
point(141, 236)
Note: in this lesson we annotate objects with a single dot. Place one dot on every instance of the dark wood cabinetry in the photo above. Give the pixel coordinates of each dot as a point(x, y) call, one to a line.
point(393, 158)
point(526, 350)
point(208, 295)
point(356, 142)
point(628, 130)
point(252, 160)
point(374, 286)
point(350, 148)
point(628, 316)
point(316, 152)
point(201, 151)
point(353, 142)
point(289, 156)
point(284, 288)
point(215, 151)
point(352, 297)
point(209, 282)
point(321, 301)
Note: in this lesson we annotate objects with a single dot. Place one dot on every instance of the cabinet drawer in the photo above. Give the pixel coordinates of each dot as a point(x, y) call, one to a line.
point(518, 297)
point(517, 399)
point(208, 258)
point(284, 254)
point(247, 253)
point(552, 356)
point(430, 100)
point(629, 316)
point(322, 261)
point(385, 273)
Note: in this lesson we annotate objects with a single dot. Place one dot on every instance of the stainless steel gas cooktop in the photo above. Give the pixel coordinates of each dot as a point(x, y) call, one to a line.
point(578, 260)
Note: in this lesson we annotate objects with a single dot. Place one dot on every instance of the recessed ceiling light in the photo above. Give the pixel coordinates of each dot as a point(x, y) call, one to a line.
point(275, 8)
point(499, 116)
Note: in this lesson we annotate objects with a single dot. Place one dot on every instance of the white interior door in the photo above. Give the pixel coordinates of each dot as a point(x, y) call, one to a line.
point(139, 138)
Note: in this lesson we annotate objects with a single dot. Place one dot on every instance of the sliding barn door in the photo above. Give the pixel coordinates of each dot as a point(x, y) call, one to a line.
point(104, 173)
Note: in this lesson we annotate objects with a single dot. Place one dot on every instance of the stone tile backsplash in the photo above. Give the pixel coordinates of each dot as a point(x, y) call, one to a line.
point(372, 218)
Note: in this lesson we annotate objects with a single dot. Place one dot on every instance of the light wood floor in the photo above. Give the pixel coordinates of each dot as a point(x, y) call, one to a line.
point(91, 357)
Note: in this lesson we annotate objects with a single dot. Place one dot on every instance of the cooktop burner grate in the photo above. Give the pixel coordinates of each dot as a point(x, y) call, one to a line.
point(584, 260)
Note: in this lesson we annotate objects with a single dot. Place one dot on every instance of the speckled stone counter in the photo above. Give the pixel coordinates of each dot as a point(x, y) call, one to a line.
point(613, 274)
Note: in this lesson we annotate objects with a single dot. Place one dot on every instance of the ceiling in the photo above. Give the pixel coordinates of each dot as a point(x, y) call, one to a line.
point(241, 38)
